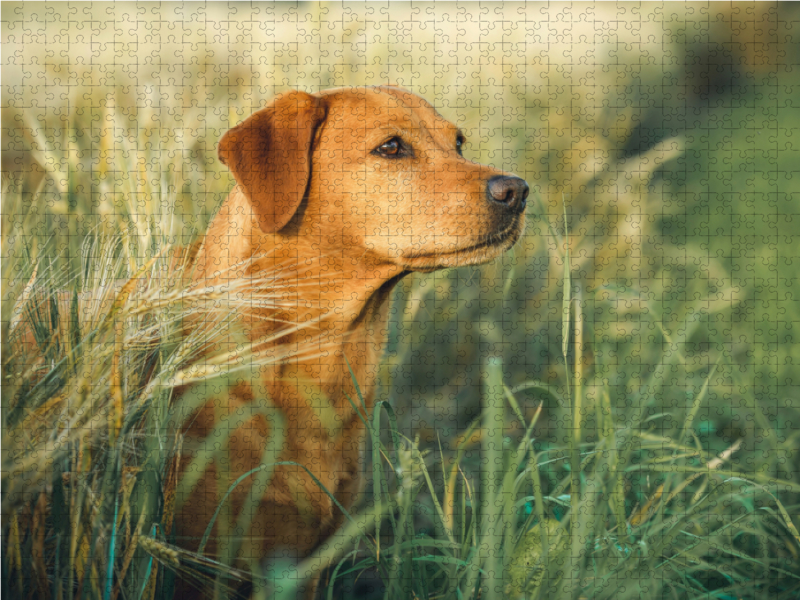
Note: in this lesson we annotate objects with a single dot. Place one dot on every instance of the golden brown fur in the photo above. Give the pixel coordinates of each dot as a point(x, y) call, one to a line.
point(320, 202)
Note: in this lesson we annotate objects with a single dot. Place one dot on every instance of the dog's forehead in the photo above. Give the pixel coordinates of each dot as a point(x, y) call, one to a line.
point(385, 104)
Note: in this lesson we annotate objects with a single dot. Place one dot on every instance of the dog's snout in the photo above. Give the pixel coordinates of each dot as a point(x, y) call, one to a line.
point(511, 192)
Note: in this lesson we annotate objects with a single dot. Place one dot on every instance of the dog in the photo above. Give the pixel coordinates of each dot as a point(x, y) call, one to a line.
point(344, 192)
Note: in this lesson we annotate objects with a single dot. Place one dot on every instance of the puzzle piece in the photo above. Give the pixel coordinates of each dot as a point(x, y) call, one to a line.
point(258, 334)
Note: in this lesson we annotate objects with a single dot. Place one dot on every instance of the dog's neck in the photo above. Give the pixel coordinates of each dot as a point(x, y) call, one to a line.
point(341, 292)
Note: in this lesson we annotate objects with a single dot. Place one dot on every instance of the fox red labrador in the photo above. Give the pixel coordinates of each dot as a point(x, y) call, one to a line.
point(343, 192)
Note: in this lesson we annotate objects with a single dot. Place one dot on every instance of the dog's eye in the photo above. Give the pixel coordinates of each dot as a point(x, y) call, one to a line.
point(392, 148)
point(460, 145)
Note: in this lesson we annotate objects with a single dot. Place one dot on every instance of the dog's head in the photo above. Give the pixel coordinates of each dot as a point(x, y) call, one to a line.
point(373, 169)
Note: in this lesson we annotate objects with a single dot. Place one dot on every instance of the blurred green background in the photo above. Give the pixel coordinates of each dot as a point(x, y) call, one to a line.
point(664, 131)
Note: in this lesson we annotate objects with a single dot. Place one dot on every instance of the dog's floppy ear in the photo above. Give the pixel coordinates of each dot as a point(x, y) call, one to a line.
point(269, 154)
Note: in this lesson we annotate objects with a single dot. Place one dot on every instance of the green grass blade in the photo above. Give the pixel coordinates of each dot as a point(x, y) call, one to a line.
point(491, 543)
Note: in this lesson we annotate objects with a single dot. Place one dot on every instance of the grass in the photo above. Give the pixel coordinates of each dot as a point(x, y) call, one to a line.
point(90, 441)
point(606, 413)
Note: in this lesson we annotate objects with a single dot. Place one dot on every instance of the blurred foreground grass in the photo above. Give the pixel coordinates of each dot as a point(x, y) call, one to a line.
point(644, 412)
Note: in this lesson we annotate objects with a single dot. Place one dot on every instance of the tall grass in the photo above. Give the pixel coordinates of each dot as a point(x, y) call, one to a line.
point(94, 350)
point(621, 507)
point(634, 514)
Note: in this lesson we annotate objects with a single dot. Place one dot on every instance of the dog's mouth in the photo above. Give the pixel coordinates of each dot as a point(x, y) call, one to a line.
point(486, 248)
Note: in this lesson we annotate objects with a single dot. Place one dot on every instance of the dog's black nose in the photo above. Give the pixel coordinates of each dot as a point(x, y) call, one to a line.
point(508, 191)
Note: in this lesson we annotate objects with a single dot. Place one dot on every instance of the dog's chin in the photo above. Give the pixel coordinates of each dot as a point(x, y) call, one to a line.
point(481, 251)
